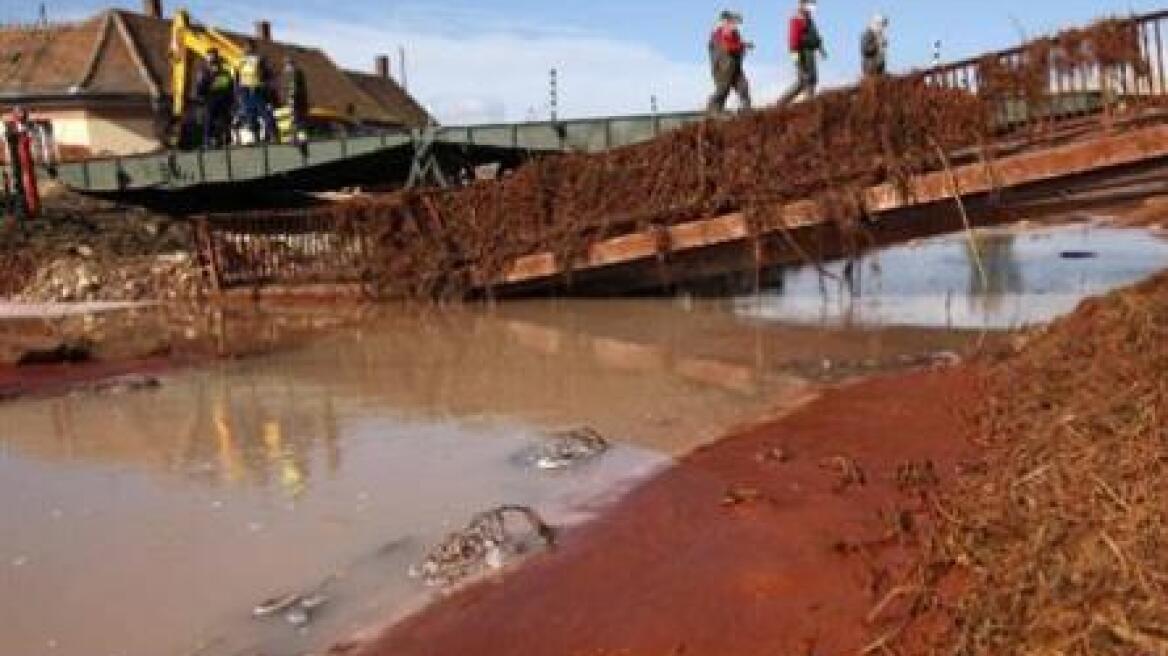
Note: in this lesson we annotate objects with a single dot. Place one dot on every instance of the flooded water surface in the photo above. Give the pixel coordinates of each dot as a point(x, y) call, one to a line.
point(150, 523)
point(1003, 278)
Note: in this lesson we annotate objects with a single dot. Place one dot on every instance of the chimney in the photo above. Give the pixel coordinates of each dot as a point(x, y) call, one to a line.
point(263, 30)
point(383, 67)
point(152, 8)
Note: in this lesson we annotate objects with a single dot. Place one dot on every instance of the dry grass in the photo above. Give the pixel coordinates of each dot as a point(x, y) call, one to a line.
point(1062, 543)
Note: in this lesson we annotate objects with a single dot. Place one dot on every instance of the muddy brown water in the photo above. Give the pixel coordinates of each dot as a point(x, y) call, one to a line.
point(150, 523)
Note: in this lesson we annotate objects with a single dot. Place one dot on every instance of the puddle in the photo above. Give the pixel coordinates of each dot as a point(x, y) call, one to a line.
point(1031, 277)
point(175, 511)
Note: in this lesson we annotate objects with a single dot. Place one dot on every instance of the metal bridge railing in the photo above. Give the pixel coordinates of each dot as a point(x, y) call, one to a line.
point(289, 248)
point(1051, 84)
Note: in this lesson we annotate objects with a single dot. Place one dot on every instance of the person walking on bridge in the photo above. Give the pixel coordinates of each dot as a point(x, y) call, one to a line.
point(805, 44)
point(727, 52)
point(874, 47)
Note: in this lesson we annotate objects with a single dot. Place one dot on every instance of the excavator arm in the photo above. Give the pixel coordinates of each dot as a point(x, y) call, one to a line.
point(190, 40)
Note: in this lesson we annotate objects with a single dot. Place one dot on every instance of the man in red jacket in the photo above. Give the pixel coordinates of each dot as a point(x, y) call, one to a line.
point(727, 50)
point(805, 44)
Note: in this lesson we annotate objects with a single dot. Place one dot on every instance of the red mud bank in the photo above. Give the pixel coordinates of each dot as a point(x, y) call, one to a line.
point(46, 379)
point(78, 353)
point(780, 540)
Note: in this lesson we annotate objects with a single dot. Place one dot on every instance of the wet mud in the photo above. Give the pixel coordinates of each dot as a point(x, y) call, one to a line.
point(781, 539)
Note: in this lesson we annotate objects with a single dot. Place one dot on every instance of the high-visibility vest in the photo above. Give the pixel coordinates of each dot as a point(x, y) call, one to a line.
point(221, 81)
point(250, 75)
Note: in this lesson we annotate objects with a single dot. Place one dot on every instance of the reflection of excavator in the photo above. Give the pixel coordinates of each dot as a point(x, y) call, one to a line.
point(190, 40)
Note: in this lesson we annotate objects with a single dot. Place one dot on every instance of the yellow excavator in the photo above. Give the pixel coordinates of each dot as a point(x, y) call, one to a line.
point(190, 40)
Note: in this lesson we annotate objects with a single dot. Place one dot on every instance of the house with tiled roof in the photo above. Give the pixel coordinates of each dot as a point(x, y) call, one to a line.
point(104, 83)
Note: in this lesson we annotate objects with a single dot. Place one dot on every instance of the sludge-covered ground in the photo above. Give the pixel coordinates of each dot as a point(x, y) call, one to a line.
point(1057, 545)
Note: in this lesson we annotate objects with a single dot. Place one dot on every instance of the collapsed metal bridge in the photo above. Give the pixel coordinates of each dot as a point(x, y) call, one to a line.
point(1099, 133)
point(448, 155)
point(438, 156)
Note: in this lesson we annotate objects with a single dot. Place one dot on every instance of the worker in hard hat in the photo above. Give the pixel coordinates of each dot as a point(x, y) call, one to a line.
point(727, 51)
point(215, 90)
point(805, 45)
point(255, 95)
point(874, 47)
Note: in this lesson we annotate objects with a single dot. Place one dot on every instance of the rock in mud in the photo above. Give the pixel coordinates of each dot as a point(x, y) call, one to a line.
point(487, 543)
point(569, 447)
point(296, 609)
point(52, 352)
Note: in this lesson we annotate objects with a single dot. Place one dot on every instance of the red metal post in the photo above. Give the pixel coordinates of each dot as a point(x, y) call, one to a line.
point(13, 177)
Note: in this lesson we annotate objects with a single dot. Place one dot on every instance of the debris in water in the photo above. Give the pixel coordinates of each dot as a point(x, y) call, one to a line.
point(1078, 255)
point(297, 609)
point(275, 605)
point(569, 447)
point(486, 542)
point(121, 385)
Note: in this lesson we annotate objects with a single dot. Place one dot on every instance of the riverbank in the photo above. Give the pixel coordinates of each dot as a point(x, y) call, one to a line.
point(48, 355)
point(881, 512)
point(780, 539)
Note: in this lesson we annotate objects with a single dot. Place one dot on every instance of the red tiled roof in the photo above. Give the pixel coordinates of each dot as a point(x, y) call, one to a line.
point(391, 96)
point(124, 53)
point(51, 60)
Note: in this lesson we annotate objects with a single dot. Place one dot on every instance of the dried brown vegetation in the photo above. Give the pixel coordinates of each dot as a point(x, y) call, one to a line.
point(1062, 541)
point(435, 244)
point(828, 150)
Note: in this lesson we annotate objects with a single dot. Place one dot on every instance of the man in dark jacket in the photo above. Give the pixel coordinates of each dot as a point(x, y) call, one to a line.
point(874, 47)
point(805, 44)
point(295, 98)
point(215, 89)
point(727, 51)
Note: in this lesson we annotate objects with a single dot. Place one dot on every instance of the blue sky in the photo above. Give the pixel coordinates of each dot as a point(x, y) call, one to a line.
point(474, 61)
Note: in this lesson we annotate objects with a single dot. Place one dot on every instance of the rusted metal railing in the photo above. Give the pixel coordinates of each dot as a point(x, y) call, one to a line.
point(1051, 84)
point(289, 248)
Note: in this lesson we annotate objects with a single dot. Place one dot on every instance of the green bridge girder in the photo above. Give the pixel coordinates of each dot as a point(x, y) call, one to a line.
point(180, 171)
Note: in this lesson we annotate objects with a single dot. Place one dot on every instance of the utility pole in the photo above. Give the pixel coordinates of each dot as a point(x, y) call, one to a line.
point(653, 104)
point(401, 63)
point(554, 94)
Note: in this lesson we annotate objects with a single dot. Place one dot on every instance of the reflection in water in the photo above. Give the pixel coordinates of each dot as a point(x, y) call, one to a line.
point(922, 284)
point(1003, 270)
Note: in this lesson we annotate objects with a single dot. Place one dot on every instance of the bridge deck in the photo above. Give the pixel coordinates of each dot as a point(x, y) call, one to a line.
point(179, 171)
point(1049, 171)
